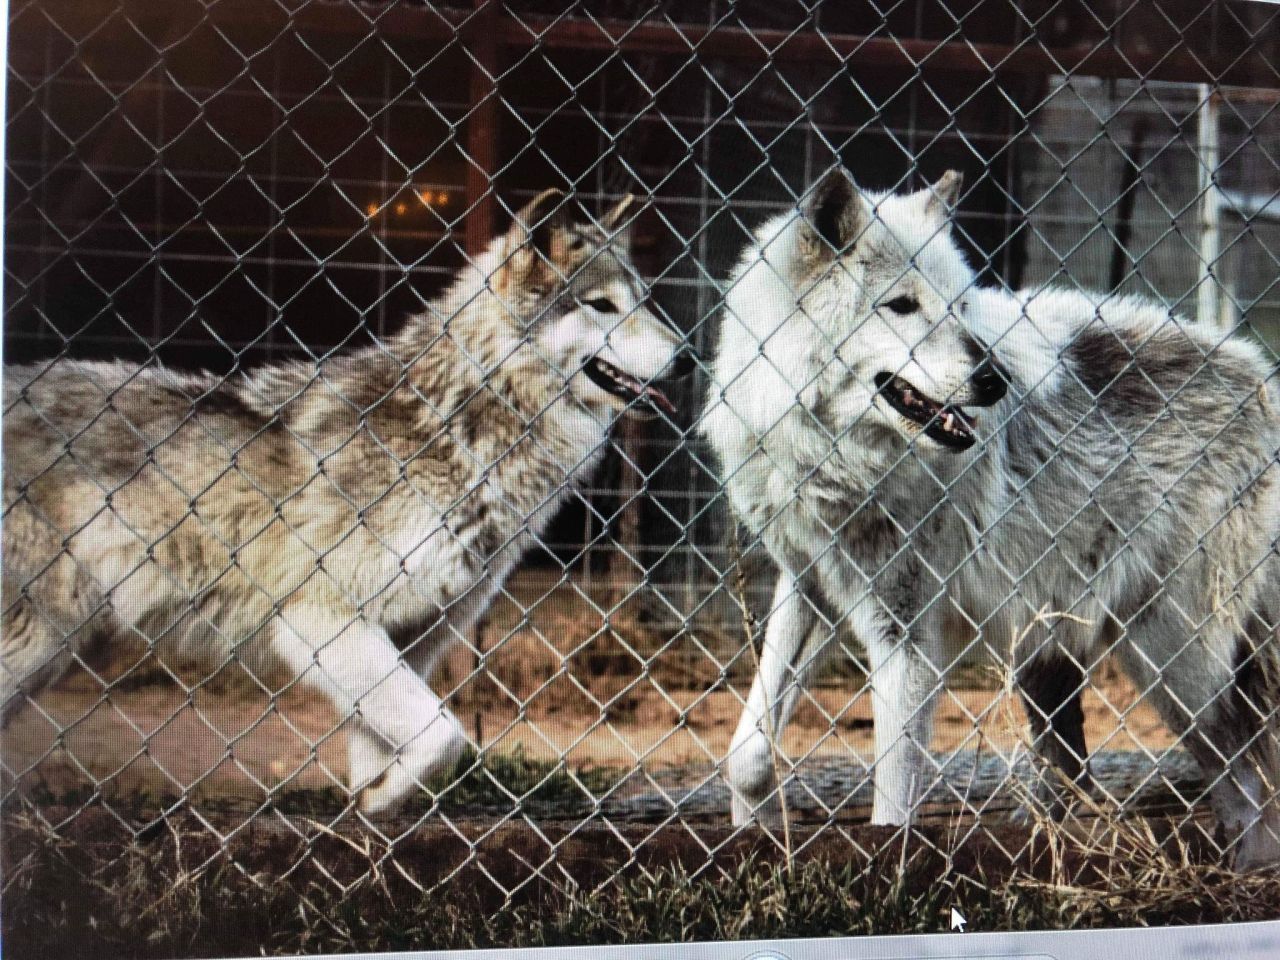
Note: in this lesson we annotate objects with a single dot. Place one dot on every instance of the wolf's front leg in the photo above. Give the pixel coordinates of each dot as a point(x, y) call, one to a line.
point(402, 733)
point(786, 660)
point(904, 690)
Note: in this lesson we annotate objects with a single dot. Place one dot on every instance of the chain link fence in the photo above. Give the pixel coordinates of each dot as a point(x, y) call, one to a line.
point(257, 193)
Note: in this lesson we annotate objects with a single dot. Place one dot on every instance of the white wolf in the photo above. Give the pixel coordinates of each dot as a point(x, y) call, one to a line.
point(348, 517)
point(1124, 475)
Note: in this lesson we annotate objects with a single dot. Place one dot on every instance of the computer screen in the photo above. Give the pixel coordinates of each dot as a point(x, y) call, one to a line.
point(759, 478)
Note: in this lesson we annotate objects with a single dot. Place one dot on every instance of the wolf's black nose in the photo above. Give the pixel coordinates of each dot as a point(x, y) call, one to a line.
point(683, 364)
point(989, 383)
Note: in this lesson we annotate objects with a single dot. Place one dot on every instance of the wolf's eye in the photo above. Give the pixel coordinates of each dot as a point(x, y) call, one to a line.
point(903, 305)
point(603, 304)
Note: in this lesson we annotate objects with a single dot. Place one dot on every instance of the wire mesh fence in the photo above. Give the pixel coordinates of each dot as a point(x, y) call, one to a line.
point(361, 473)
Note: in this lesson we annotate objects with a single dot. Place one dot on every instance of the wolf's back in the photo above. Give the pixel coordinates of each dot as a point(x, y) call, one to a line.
point(115, 461)
point(102, 421)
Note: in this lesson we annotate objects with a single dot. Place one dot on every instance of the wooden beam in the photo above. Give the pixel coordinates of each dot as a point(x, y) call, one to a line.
point(1248, 67)
point(482, 128)
point(1199, 58)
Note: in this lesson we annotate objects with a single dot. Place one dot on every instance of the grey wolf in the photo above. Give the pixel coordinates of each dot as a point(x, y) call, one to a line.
point(941, 469)
point(347, 518)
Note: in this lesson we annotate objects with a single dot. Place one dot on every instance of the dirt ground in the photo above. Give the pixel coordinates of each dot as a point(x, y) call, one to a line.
point(552, 683)
point(156, 739)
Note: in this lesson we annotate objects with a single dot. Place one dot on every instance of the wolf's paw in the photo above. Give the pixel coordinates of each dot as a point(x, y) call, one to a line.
point(1040, 810)
point(384, 791)
point(437, 749)
point(749, 771)
point(1051, 796)
point(766, 810)
point(1257, 849)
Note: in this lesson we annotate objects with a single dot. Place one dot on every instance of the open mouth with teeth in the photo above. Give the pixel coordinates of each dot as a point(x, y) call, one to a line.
point(950, 426)
point(622, 384)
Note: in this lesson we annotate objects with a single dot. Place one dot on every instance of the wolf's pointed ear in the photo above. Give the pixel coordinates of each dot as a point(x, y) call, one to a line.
point(536, 221)
point(941, 198)
point(614, 219)
point(832, 217)
point(528, 254)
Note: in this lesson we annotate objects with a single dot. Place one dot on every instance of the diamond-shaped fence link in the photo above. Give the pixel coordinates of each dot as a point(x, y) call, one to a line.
point(376, 468)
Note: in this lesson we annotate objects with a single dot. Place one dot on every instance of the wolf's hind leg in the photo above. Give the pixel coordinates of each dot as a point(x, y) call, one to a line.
point(51, 606)
point(787, 659)
point(1246, 804)
point(401, 733)
point(1051, 685)
point(1213, 690)
point(1247, 797)
point(35, 655)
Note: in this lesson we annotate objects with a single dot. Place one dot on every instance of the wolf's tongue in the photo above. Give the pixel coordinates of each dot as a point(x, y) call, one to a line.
point(660, 398)
point(650, 393)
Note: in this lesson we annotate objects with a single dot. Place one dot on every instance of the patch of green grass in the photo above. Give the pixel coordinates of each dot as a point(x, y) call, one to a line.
point(496, 782)
point(42, 795)
point(505, 780)
point(312, 802)
point(83, 795)
point(752, 900)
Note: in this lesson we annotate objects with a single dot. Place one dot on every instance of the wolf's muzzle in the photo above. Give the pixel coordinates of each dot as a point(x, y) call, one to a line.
point(990, 384)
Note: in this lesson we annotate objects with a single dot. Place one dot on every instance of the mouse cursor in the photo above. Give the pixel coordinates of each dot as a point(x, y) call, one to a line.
point(957, 920)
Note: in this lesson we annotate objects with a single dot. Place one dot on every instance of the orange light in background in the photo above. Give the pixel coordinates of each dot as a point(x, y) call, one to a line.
point(432, 198)
point(425, 195)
